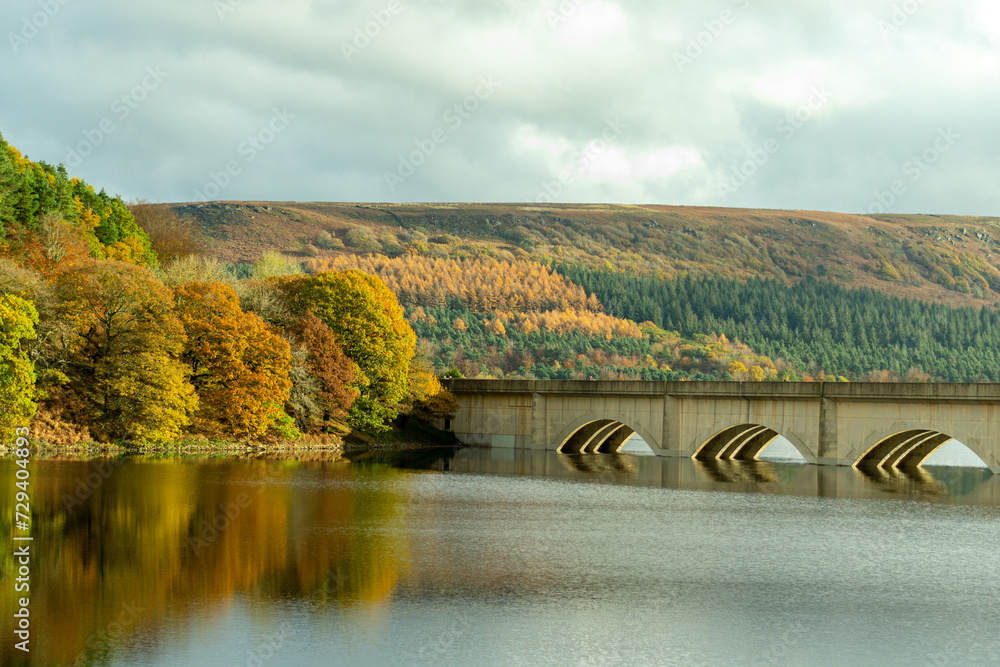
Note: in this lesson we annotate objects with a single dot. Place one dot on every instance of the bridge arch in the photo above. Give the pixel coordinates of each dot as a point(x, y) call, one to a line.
point(590, 434)
point(744, 442)
point(907, 448)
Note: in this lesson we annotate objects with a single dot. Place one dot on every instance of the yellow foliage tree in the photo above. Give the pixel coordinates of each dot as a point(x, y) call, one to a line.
point(371, 328)
point(123, 352)
point(17, 374)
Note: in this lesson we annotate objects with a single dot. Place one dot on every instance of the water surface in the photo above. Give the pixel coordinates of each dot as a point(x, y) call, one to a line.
point(499, 557)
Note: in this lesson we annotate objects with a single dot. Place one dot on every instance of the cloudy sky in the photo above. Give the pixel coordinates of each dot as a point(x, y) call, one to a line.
point(843, 105)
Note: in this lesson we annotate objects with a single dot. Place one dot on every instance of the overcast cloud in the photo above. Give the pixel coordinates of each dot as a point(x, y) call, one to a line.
point(815, 104)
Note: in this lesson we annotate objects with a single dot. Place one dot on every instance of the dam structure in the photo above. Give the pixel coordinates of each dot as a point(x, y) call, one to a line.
point(884, 425)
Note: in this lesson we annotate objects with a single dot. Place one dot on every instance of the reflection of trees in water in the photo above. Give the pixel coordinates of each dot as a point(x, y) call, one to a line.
point(163, 533)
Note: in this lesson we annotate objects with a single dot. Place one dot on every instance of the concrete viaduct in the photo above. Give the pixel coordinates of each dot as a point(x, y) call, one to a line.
point(885, 425)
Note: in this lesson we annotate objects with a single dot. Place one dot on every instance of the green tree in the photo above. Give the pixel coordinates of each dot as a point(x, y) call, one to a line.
point(371, 329)
point(17, 374)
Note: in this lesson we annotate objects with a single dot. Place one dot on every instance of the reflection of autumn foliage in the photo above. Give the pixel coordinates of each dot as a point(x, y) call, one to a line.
point(288, 540)
point(239, 366)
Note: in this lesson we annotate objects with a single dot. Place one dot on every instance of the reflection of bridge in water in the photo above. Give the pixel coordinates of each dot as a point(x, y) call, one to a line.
point(973, 486)
point(880, 427)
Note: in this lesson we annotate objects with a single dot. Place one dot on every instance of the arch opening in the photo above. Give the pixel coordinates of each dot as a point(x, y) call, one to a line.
point(912, 449)
point(743, 442)
point(954, 453)
point(604, 436)
point(636, 446)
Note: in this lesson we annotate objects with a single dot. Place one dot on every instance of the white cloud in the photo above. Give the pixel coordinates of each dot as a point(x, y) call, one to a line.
point(561, 83)
point(591, 23)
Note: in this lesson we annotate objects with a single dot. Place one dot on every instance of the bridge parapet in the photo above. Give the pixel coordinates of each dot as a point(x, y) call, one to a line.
point(895, 391)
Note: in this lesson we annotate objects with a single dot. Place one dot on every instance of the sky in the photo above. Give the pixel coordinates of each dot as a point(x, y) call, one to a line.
point(835, 105)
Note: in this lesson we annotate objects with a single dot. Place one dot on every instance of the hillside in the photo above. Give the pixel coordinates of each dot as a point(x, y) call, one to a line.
point(949, 259)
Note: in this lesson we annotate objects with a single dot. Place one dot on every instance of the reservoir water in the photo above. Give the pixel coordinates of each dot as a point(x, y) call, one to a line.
point(494, 557)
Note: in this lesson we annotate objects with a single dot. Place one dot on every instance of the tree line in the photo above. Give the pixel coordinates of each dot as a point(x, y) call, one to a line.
point(815, 325)
point(100, 341)
point(466, 343)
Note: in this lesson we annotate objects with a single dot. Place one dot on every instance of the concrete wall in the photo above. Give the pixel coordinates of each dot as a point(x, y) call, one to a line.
point(829, 423)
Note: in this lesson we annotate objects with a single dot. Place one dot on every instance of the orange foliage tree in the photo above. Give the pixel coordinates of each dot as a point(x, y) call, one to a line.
point(170, 236)
point(333, 371)
point(240, 367)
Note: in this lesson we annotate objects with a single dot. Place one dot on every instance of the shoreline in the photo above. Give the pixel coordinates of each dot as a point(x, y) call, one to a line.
point(409, 437)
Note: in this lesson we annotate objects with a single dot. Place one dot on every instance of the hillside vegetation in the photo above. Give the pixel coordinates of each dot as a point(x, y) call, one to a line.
point(949, 259)
point(860, 334)
point(656, 292)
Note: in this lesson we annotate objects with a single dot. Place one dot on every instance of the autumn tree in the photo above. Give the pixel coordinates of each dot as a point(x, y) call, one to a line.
point(171, 236)
point(331, 392)
point(429, 401)
point(240, 366)
point(122, 352)
point(371, 329)
point(54, 246)
point(17, 374)
point(46, 217)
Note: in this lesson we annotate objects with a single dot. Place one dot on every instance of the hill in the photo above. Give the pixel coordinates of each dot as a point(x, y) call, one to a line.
point(951, 259)
point(654, 292)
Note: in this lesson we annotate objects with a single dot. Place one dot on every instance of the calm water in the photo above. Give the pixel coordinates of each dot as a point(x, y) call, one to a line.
point(506, 558)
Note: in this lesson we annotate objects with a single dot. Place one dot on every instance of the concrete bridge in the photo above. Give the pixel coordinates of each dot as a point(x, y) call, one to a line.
point(883, 425)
